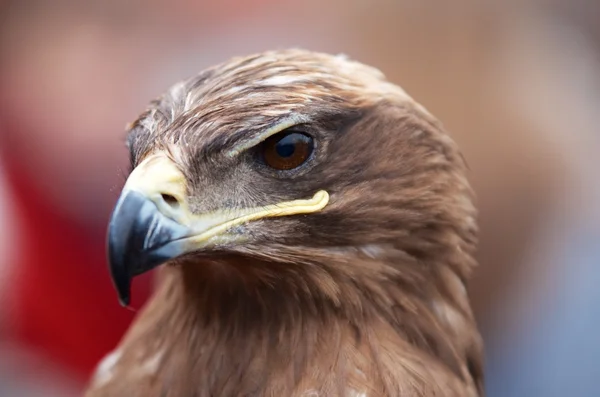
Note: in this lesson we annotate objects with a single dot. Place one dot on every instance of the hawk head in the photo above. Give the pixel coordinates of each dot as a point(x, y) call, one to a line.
point(294, 183)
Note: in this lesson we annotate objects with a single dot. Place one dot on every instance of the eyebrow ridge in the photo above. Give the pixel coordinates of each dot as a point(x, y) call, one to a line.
point(263, 135)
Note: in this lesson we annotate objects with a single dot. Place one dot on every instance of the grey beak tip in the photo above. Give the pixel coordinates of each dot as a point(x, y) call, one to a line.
point(124, 300)
point(119, 271)
point(139, 239)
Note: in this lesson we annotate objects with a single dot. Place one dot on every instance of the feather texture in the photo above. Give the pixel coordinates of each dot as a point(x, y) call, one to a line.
point(364, 298)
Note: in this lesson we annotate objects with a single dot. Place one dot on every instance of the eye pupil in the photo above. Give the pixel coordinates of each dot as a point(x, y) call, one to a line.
point(287, 150)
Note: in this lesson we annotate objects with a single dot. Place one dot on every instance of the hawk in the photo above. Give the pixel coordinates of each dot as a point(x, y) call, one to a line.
point(316, 232)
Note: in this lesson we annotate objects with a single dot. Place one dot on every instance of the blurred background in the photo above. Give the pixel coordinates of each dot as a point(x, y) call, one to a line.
point(517, 84)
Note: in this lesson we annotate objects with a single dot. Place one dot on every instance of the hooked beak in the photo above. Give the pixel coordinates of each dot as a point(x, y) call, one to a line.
point(152, 222)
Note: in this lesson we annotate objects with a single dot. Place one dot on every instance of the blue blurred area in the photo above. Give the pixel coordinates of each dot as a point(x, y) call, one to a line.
point(556, 353)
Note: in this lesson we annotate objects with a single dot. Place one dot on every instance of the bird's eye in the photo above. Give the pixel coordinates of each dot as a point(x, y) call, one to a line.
point(287, 150)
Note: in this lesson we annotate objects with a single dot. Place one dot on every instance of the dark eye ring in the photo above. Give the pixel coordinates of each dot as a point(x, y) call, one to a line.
point(287, 150)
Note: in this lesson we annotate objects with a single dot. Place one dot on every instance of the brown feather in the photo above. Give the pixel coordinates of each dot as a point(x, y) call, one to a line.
point(365, 298)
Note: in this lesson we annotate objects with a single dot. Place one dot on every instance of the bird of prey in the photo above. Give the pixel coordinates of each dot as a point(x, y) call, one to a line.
point(316, 230)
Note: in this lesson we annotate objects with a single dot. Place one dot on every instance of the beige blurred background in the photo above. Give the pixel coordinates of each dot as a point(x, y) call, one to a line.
point(517, 83)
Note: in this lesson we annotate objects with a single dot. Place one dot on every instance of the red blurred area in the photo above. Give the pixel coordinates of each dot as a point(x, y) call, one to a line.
point(61, 295)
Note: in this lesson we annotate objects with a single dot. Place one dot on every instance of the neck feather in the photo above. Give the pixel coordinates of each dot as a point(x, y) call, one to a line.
point(307, 327)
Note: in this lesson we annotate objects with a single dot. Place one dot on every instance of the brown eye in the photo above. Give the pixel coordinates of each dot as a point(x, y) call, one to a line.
point(287, 150)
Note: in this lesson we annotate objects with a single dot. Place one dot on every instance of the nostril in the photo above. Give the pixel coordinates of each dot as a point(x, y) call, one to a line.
point(170, 200)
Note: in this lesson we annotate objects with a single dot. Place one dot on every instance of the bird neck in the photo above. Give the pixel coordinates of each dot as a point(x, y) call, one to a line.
point(278, 338)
